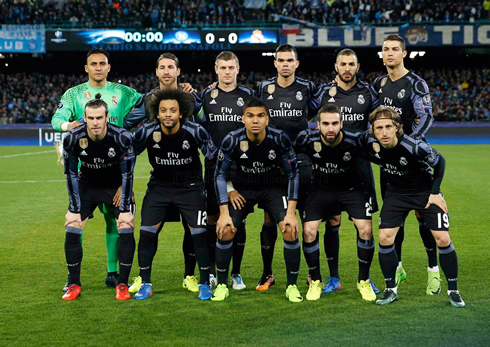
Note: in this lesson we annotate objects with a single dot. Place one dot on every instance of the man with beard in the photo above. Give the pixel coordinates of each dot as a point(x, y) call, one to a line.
point(336, 184)
point(356, 100)
point(167, 71)
point(408, 94)
point(173, 145)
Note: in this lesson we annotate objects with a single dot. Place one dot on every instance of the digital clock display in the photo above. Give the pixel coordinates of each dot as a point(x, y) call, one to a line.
point(128, 40)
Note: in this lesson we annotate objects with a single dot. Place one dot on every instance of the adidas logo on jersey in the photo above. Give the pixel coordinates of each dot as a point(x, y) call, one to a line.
point(156, 145)
point(212, 102)
point(83, 153)
point(270, 97)
point(316, 155)
point(243, 156)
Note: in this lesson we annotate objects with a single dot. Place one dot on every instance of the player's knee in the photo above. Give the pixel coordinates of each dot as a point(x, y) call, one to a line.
point(309, 232)
point(365, 231)
point(267, 218)
point(442, 238)
point(288, 234)
point(334, 220)
point(227, 234)
point(385, 238)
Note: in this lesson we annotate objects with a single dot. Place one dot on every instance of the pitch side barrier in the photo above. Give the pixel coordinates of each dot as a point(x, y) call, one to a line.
point(440, 133)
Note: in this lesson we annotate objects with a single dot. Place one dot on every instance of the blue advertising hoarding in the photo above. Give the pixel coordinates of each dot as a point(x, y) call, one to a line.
point(23, 39)
point(371, 36)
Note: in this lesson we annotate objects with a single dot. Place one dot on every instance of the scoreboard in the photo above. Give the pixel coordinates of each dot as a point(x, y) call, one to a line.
point(137, 40)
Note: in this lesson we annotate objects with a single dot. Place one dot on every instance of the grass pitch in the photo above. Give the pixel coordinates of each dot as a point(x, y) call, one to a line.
point(33, 271)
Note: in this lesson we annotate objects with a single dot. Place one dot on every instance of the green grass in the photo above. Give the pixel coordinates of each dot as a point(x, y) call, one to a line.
point(32, 272)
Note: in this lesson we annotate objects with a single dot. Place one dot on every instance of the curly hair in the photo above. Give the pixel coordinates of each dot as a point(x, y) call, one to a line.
point(184, 100)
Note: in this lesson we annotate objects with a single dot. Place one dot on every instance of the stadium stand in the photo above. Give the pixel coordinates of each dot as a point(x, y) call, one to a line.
point(458, 95)
point(184, 13)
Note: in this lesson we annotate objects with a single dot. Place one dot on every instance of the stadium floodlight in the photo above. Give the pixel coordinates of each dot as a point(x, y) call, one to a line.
point(198, 70)
point(421, 53)
point(413, 54)
point(267, 54)
point(380, 55)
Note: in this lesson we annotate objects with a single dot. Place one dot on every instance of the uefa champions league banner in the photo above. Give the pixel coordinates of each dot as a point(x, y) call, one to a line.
point(371, 36)
point(23, 39)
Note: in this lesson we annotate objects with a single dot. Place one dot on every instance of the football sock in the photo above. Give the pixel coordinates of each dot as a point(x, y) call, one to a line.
point(73, 253)
point(268, 237)
point(292, 256)
point(388, 261)
point(238, 248)
point(146, 251)
point(224, 252)
point(211, 232)
point(429, 242)
point(111, 242)
point(449, 264)
point(125, 254)
point(189, 252)
point(200, 242)
point(400, 236)
point(331, 243)
point(312, 256)
point(365, 254)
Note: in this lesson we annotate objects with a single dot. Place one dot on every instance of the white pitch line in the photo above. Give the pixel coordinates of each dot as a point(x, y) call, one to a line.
point(52, 181)
point(22, 154)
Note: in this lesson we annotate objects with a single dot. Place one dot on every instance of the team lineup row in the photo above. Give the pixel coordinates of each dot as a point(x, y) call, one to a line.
point(289, 100)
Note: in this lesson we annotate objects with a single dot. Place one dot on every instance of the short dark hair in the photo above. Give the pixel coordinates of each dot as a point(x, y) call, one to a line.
point(286, 48)
point(184, 100)
point(346, 51)
point(256, 102)
point(98, 51)
point(170, 56)
point(395, 37)
point(226, 55)
point(96, 103)
point(383, 112)
point(329, 108)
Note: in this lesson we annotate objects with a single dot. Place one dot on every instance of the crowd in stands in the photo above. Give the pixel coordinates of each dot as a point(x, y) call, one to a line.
point(457, 95)
point(167, 14)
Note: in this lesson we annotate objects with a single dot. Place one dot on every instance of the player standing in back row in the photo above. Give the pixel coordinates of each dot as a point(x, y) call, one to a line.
point(408, 94)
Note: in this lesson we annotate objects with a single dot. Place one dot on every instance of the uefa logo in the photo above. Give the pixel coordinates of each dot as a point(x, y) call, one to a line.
point(59, 37)
point(58, 34)
point(181, 36)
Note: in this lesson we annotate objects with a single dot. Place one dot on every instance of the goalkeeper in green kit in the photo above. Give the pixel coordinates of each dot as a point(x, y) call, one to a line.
point(121, 100)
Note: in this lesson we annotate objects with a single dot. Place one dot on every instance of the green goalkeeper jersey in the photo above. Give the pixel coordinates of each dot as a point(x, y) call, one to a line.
point(119, 98)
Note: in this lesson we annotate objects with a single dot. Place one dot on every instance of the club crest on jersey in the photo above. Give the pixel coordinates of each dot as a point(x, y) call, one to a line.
point(60, 105)
point(114, 100)
point(112, 153)
point(271, 88)
point(317, 146)
point(210, 145)
point(361, 100)
point(87, 95)
point(383, 81)
point(240, 102)
point(272, 155)
point(244, 146)
point(347, 156)
point(401, 94)
point(65, 154)
point(403, 161)
point(299, 96)
point(83, 143)
point(130, 150)
point(186, 145)
point(157, 136)
point(221, 155)
point(332, 92)
point(426, 99)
